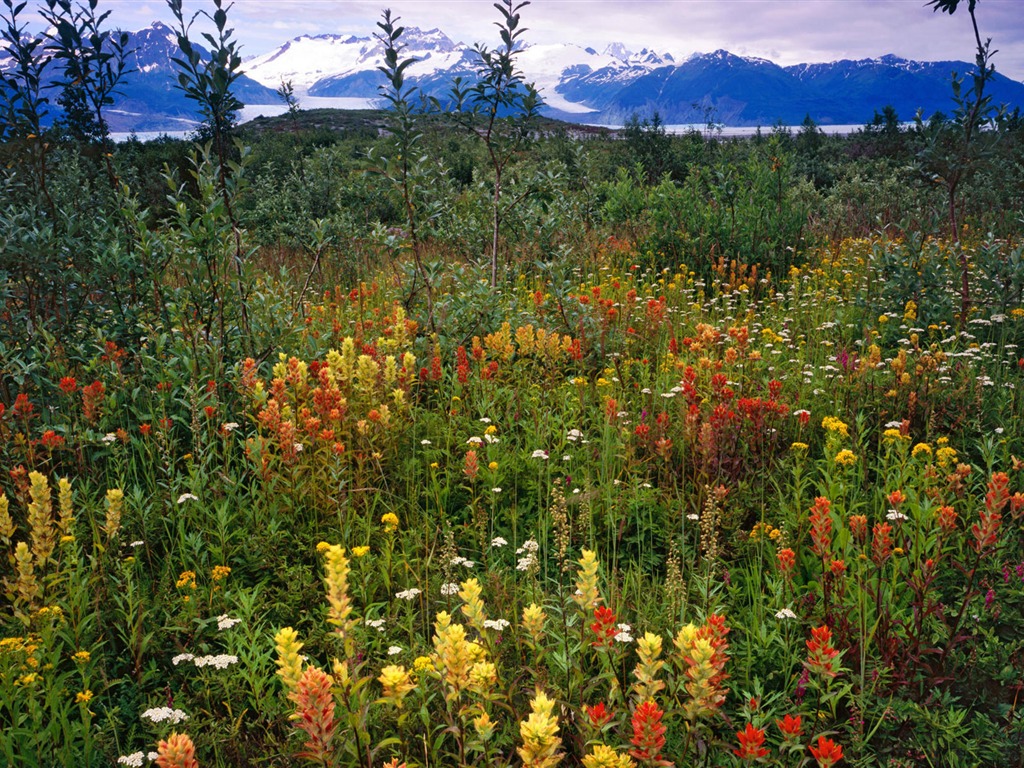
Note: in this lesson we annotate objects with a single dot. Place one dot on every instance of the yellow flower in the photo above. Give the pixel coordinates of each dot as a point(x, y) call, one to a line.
point(921, 449)
point(396, 683)
point(390, 521)
point(360, 551)
point(82, 657)
point(422, 664)
point(799, 446)
point(289, 662)
point(945, 456)
point(493, 466)
point(606, 757)
point(832, 424)
point(538, 732)
point(891, 436)
point(186, 580)
point(845, 458)
point(83, 697)
point(491, 430)
point(434, 465)
point(322, 547)
point(220, 572)
point(882, 319)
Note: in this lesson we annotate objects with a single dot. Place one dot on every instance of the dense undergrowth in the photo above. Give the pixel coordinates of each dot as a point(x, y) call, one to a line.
point(724, 470)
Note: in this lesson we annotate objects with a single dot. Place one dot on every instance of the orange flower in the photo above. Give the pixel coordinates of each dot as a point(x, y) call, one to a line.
point(177, 751)
point(827, 753)
point(859, 527)
point(68, 385)
point(751, 743)
point(822, 658)
point(472, 466)
point(598, 714)
point(881, 543)
point(791, 727)
point(838, 567)
point(821, 527)
point(648, 732)
point(787, 559)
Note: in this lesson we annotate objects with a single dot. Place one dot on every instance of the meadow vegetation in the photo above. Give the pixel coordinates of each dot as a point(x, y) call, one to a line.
point(320, 447)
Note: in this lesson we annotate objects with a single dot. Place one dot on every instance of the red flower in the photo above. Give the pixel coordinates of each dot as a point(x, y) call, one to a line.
point(751, 743)
point(145, 429)
point(598, 714)
point(68, 385)
point(881, 543)
point(787, 559)
point(821, 527)
point(22, 407)
point(896, 498)
point(648, 732)
point(859, 527)
point(827, 753)
point(791, 727)
point(822, 658)
point(51, 439)
point(92, 398)
point(604, 626)
point(472, 465)
point(838, 567)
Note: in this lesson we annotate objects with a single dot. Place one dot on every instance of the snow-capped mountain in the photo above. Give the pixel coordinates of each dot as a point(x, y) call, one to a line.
point(577, 83)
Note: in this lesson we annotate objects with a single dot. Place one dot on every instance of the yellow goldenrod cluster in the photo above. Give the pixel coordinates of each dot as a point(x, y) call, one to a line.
point(390, 522)
point(764, 530)
point(186, 580)
point(220, 572)
point(605, 757)
point(648, 648)
point(832, 424)
point(845, 458)
point(894, 436)
point(921, 449)
point(539, 734)
point(587, 595)
point(945, 456)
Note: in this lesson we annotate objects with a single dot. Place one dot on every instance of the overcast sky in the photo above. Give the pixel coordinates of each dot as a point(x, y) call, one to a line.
point(785, 31)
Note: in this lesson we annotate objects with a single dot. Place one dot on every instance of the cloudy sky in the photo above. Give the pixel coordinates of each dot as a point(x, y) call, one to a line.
point(785, 31)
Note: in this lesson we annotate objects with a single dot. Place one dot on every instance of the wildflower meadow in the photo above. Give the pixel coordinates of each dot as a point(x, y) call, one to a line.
point(324, 446)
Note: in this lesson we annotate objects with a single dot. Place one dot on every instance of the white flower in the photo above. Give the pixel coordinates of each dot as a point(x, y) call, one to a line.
point(495, 490)
point(573, 435)
point(187, 497)
point(449, 589)
point(528, 546)
point(491, 439)
point(377, 624)
point(693, 516)
point(895, 515)
point(470, 563)
point(457, 560)
point(298, 447)
point(484, 420)
point(110, 437)
point(222, 661)
point(152, 756)
point(497, 541)
point(498, 624)
point(526, 563)
point(409, 594)
point(802, 412)
point(134, 760)
point(893, 424)
point(624, 634)
point(394, 650)
point(231, 426)
point(474, 440)
point(226, 622)
point(566, 457)
point(182, 657)
point(136, 544)
point(160, 714)
point(539, 454)
point(785, 613)
point(425, 442)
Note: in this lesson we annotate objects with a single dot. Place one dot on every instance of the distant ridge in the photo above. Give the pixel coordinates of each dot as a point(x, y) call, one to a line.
point(577, 83)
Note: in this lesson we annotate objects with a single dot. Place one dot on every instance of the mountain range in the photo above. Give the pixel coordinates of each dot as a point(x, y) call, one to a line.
point(578, 84)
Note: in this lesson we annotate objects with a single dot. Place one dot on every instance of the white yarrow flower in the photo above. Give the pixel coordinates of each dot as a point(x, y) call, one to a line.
point(182, 657)
point(408, 594)
point(785, 613)
point(221, 661)
point(162, 714)
point(498, 624)
point(226, 622)
point(187, 497)
point(394, 650)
